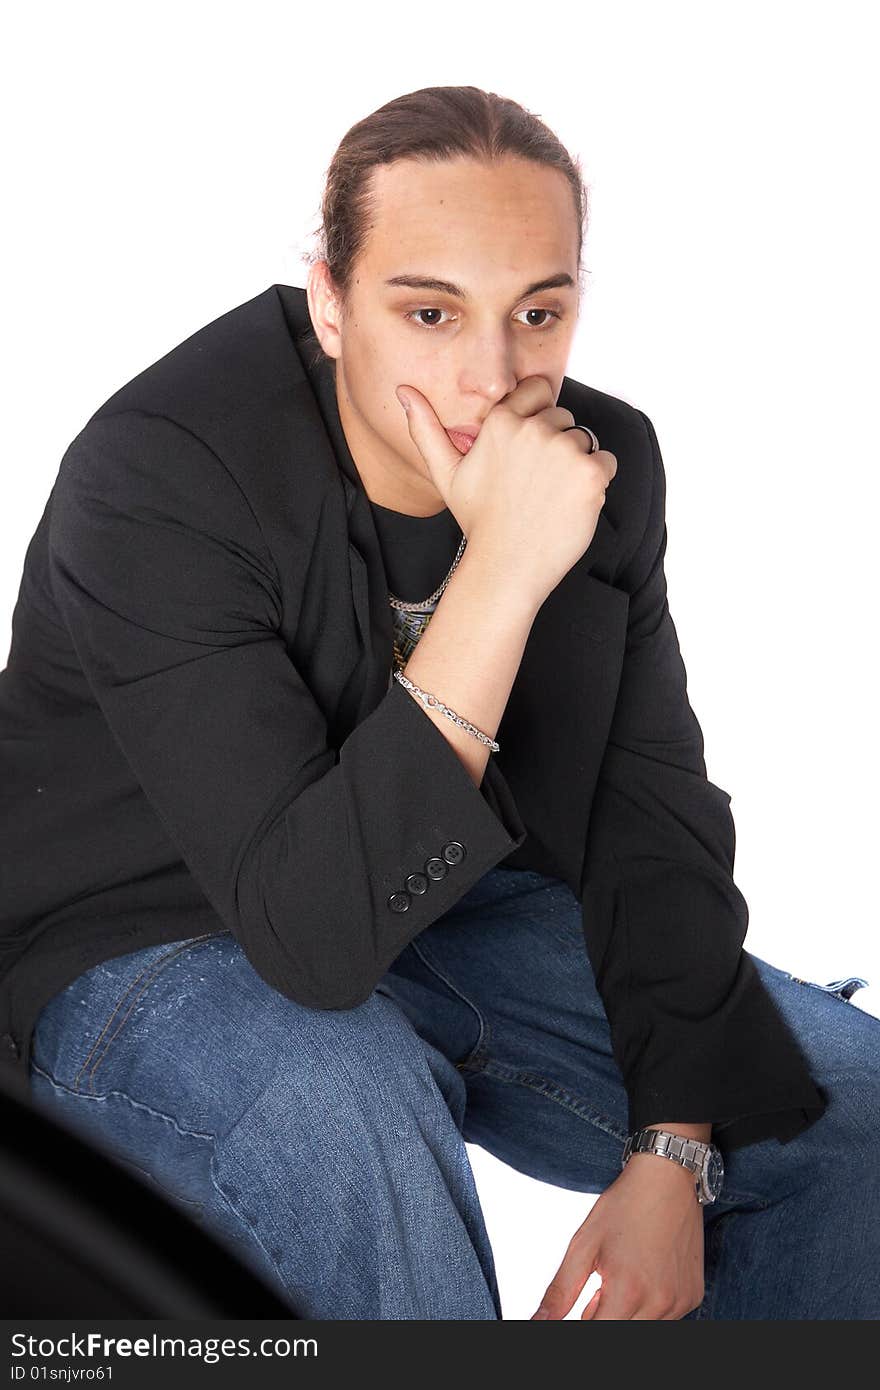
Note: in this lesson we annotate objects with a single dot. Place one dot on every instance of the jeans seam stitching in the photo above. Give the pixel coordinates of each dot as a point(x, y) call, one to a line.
point(123, 1095)
point(116, 1008)
point(152, 972)
point(478, 1051)
point(547, 1087)
point(832, 993)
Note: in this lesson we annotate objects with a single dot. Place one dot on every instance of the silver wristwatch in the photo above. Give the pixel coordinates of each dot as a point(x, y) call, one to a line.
point(703, 1159)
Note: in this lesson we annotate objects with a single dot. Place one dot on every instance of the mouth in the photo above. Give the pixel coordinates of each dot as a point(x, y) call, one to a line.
point(463, 439)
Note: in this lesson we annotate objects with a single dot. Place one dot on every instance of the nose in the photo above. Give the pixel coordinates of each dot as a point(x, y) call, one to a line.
point(489, 369)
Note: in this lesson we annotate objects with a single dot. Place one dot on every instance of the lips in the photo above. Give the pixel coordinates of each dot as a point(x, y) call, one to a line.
point(462, 439)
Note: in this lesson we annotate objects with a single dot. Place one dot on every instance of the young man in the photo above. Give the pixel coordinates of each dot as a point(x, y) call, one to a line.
point(290, 930)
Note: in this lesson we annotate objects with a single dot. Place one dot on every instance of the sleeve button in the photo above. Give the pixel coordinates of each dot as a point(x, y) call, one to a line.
point(416, 883)
point(454, 852)
point(436, 867)
point(399, 902)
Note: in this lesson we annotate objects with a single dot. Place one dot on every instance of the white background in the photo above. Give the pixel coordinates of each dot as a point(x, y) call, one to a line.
point(163, 163)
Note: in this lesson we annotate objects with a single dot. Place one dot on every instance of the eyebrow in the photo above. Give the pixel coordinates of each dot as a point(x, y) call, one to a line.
point(429, 282)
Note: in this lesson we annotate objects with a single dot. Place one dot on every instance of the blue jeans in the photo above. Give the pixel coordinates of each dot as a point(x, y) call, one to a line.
point(327, 1147)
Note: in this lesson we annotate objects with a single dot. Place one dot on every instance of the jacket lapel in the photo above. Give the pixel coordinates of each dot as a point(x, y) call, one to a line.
point(369, 593)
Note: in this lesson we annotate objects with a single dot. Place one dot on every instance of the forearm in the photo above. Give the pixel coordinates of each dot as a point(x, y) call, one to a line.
point(470, 653)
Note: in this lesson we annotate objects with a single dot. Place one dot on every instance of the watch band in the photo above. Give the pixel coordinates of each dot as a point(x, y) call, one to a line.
point(689, 1153)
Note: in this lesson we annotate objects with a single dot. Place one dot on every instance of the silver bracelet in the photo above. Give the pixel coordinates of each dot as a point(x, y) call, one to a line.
point(431, 702)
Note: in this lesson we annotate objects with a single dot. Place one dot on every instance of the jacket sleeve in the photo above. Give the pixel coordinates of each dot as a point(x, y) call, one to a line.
point(162, 577)
point(694, 1031)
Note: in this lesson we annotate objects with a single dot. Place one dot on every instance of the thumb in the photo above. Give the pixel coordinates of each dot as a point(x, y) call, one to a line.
point(430, 438)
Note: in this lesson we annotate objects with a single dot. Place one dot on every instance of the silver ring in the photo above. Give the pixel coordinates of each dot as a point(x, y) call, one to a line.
point(586, 429)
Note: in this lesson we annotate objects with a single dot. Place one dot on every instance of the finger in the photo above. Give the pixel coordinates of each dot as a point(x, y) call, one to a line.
point(568, 1283)
point(559, 418)
point(618, 1303)
point(591, 1307)
point(530, 395)
point(430, 438)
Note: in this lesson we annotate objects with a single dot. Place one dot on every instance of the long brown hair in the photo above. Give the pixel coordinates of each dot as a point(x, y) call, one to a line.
point(432, 124)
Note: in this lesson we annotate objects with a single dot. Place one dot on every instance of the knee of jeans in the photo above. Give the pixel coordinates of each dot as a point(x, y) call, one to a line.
point(350, 1057)
point(350, 1089)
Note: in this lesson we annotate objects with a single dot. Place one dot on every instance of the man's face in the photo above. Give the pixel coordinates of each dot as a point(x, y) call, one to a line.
point(493, 231)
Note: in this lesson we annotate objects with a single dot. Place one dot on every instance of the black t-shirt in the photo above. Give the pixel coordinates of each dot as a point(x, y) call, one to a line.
point(417, 550)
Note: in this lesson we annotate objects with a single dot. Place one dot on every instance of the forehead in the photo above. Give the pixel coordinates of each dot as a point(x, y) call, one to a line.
point(514, 213)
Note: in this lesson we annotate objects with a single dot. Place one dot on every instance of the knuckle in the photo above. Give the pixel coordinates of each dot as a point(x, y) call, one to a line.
point(662, 1303)
point(687, 1302)
point(542, 431)
point(598, 492)
point(693, 1301)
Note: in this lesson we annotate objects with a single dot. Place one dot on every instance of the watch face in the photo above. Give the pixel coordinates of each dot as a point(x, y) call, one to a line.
point(714, 1172)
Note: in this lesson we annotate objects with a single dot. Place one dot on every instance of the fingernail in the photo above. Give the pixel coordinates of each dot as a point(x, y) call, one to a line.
point(403, 398)
point(541, 1313)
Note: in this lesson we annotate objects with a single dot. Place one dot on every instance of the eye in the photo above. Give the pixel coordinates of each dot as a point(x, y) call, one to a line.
point(537, 310)
point(413, 312)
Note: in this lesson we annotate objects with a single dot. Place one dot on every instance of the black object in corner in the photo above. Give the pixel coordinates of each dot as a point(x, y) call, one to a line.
point(82, 1237)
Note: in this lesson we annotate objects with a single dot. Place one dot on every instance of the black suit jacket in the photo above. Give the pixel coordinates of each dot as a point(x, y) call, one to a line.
point(200, 734)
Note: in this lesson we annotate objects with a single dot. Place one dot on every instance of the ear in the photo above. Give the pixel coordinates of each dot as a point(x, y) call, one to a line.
point(324, 308)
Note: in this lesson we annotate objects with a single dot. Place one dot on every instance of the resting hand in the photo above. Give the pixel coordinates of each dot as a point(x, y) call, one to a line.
point(644, 1237)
